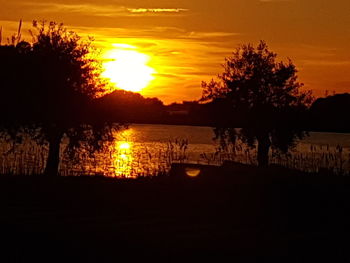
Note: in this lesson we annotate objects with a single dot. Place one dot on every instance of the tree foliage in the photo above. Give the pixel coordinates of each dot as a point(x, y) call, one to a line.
point(48, 89)
point(260, 95)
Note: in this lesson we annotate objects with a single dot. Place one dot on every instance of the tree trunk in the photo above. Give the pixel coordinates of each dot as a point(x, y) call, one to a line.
point(263, 150)
point(53, 160)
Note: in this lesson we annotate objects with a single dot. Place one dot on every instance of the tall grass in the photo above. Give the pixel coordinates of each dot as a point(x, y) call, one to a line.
point(318, 158)
point(143, 159)
point(335, 160)
point(150, 159)
point(25, 159)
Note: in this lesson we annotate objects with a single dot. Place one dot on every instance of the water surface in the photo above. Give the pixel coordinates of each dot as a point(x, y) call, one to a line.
point(150, 150)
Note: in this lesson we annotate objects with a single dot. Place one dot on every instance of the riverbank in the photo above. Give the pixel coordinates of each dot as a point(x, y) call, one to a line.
point(241, 213)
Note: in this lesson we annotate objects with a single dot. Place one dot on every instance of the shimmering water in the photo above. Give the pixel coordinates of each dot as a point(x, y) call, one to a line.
point(150, 150)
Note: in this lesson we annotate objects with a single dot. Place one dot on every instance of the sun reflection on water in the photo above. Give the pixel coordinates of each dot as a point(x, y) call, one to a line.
point(122, 155)
point(127, 157)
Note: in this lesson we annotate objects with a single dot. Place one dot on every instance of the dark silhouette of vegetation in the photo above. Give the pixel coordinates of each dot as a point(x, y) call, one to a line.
point(262, 97)
point(325, 114)
point(48, 89)
point(130, 107)
point(331, 113)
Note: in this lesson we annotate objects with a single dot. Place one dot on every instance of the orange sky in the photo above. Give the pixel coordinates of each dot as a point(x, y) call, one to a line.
point(187, 40)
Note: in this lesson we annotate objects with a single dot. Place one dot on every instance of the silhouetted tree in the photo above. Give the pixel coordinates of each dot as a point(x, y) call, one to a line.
point(260, 95)
point(48, 88)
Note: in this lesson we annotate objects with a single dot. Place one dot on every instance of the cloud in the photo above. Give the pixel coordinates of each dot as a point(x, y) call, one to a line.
point(182, 58)
point(107, 10)
point(326, 63)
point(271, 1)
point(87, 9)
point(157, 10)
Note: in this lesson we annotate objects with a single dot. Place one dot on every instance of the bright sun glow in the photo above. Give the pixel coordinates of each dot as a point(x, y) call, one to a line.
point(127, 68)
point(124, 145)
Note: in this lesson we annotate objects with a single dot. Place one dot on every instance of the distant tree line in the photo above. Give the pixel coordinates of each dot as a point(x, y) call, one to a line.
point(329, 113)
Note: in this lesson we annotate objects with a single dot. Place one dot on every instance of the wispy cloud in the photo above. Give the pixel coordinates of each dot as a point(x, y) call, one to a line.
point(157, 10)
point(101, 10)
point(87, 9)
point(182, 58)
point(326, 63)
point(272, 1)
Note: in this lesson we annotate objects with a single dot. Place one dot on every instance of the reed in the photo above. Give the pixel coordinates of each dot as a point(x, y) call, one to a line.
point(141, 160)
point(335, 160)
point(153, 159)
point(318, 158)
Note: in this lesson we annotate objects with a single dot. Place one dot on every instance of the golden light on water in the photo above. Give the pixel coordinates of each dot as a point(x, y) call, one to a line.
point(122, 155)
point(124, 145)
point(122, 159)
point(127, 68)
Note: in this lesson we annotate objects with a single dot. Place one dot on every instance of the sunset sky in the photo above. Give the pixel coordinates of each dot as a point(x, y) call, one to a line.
point(185, 41)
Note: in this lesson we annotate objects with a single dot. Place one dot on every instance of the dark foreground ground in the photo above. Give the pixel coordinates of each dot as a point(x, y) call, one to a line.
point(238, 214)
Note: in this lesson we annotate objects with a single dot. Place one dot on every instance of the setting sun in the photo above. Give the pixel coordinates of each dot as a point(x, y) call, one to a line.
point(127, 68)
